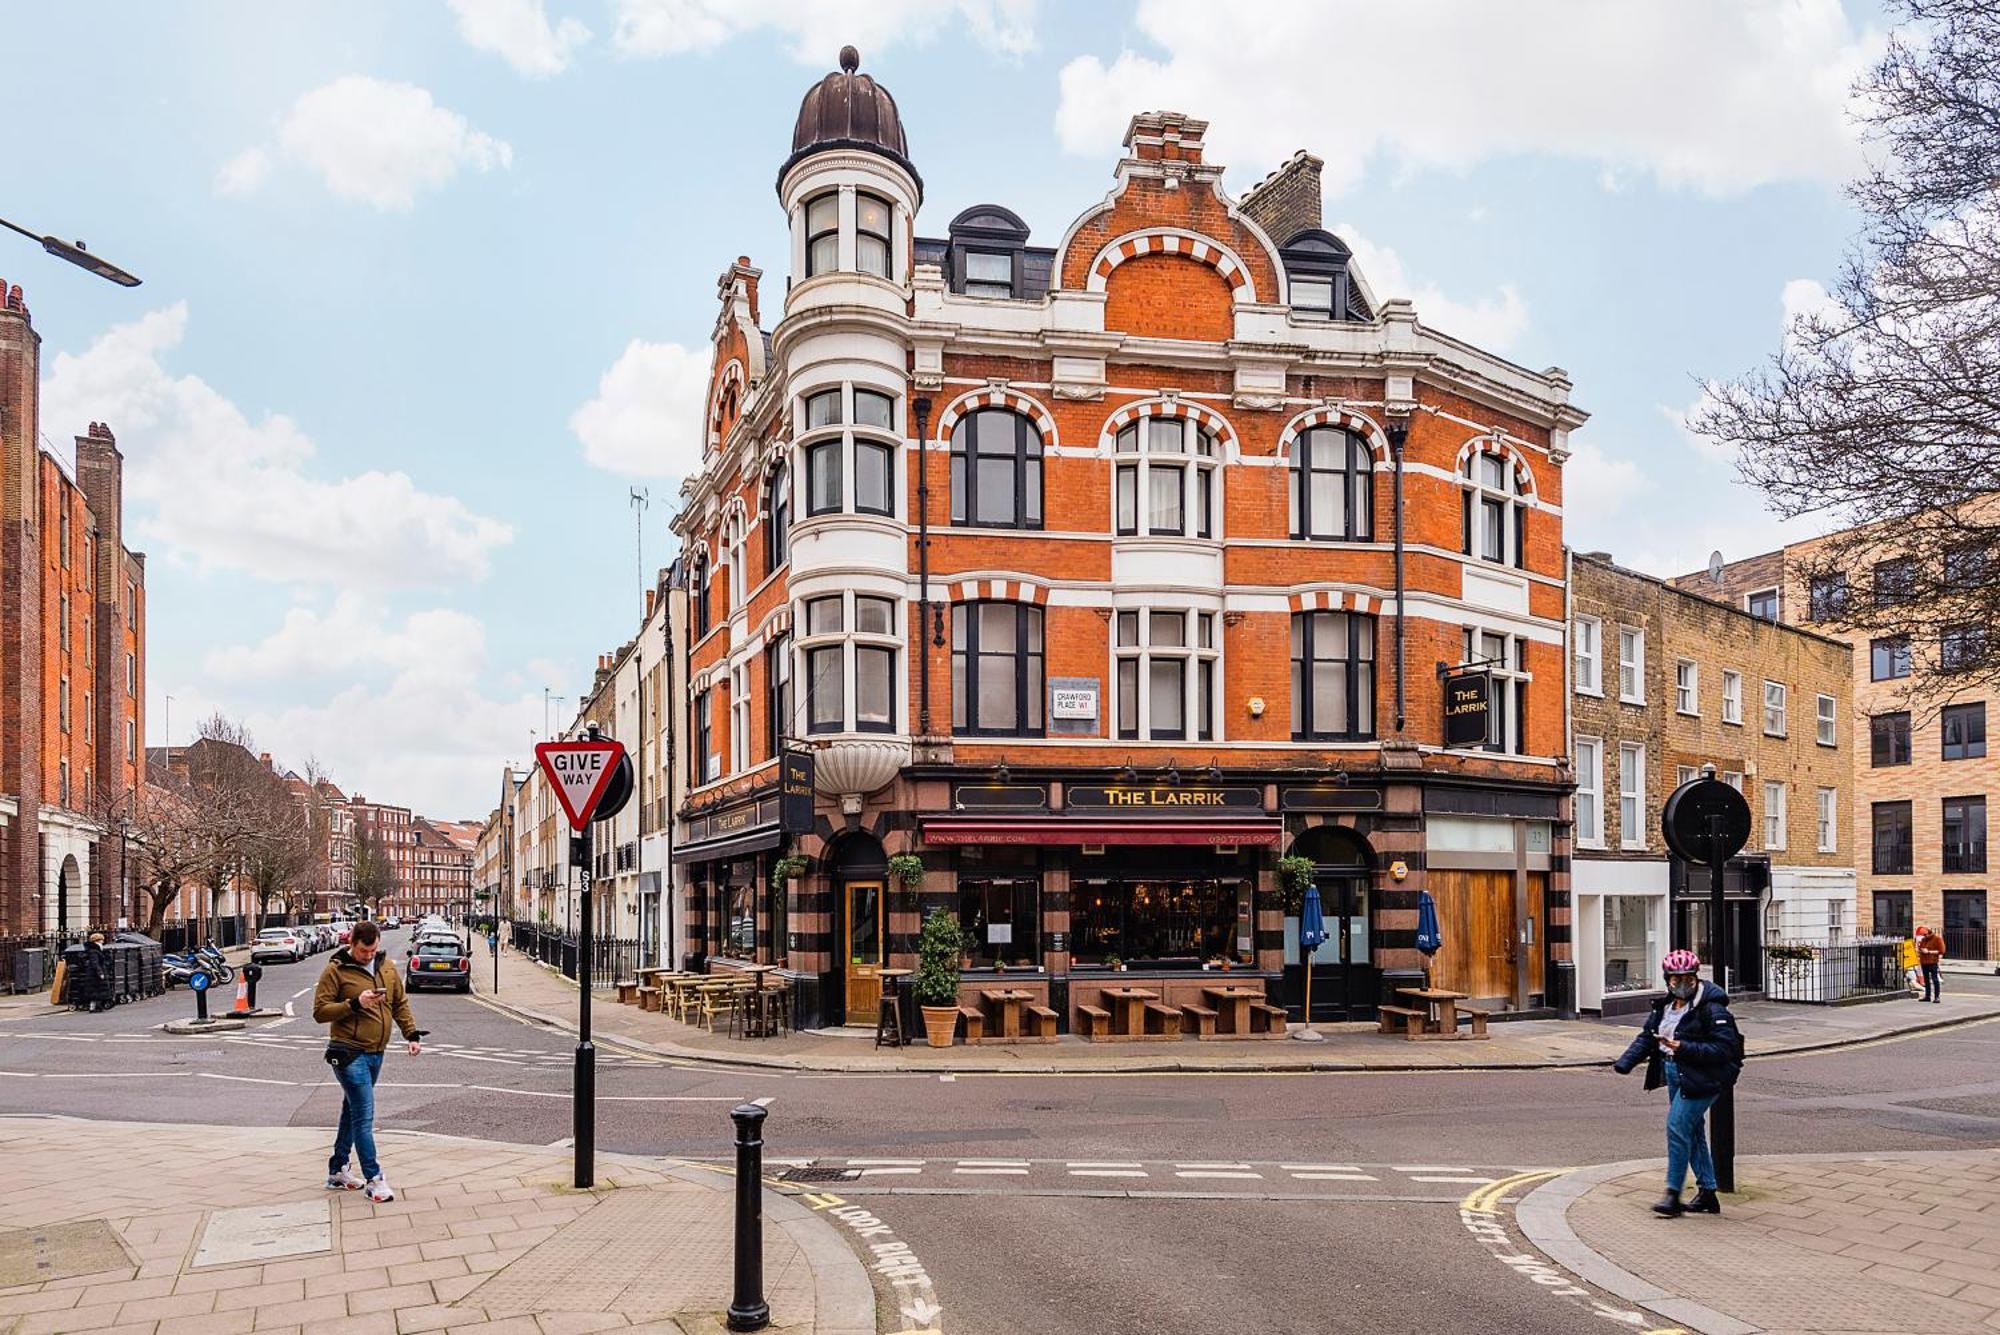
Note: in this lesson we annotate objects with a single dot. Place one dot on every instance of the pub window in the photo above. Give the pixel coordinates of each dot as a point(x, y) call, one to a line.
point(1168, 488)
point(1331, 486)
point(867, 657)
point(823, 233)
point(823, 409)
point(777, 518)
point(1174, 908)
point(739, 717)
point(1890, 832)
point(1505, 658)
point(1889, 739)
point(778, 685)
point(707, 765)
point(1965, 834)
point(1492, 509)
point(1166, 675)
point(1333, 676)
point(871, 235)
point(1964, 729)
point(996, 669)
point(874, 474)
point(823, 477)
point(1001, 917)
point(996, 470)
point(826, 665)
point(739, 565)
point(989, 273)
point(738, 895)
point(1889, 658)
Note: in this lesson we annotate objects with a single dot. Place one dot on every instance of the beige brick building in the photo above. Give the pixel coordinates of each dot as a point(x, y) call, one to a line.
point(1663, 682)
point(1922, 774)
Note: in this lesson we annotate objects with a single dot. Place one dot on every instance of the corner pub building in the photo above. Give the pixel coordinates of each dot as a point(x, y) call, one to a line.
point(1070, 587)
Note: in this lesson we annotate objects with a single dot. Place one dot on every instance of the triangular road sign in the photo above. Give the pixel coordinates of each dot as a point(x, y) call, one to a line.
point(579, 772)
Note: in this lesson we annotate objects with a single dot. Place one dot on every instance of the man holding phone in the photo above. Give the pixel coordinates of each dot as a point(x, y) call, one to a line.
point(358, 995)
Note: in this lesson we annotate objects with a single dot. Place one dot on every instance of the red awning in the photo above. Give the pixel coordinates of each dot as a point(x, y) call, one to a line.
point(1054, 830)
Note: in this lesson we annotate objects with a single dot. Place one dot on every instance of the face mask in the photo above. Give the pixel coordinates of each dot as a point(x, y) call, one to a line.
point(1684, 989)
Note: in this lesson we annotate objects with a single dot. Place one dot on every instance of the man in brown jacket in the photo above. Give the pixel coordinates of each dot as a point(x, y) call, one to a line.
point(359, 992)
point(1930, 949)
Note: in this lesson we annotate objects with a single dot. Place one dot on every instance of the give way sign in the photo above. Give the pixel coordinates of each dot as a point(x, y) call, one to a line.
point(580, 772)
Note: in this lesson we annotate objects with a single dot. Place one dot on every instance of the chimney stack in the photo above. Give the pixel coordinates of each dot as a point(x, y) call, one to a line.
point(1287, 201)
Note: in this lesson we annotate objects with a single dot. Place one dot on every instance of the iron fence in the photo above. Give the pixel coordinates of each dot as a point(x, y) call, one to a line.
point(611, 958)
point(1823, 973)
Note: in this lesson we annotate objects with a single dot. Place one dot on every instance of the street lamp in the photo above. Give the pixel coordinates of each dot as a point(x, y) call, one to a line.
point(76, 253)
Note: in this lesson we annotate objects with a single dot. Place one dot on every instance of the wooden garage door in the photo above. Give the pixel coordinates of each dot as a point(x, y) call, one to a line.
point(1476, 915)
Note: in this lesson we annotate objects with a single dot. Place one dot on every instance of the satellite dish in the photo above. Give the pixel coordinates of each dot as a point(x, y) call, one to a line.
point(1715, 566)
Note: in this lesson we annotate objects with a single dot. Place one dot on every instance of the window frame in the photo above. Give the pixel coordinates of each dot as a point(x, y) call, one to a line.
point(1752, 598)
point(1142, 656)
point(887, 238)
point(1732, 697)
point(1827, 811)
point(777, 517)
point(1478, 500)
point(1590, 795)
point(1027, 457)
point(1637, 664)
point(1962, 648)
point(1952, 715)
point(1783, 709)
point(1356, 474)
point(739, 717)
point(1826, 596)
point(1687, 687)
point(1196, 468)
point(1826, 721)
point(845, 645)
point(779, 700)
point(698, 579)
point(1507, 697)
point(1360, 675)
point(1027, 660)
point(1775, 833)
point(1968, 856)
point(1595, 655)
point(814, 269)
point(1876, 811)
point(707, 765)
point(1897, 650)
point(976, 287)
point(1636, 796)
point(1881, 738)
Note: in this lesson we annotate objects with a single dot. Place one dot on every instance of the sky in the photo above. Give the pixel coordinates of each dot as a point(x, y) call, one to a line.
point(429, 283)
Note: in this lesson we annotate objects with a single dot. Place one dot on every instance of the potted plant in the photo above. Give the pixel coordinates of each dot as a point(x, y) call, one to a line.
point(936, 981)
point(1294, 875)
point(1114, 963)
point(908, 868)
point(785, 868)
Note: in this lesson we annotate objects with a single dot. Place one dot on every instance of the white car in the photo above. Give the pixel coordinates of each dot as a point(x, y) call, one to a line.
point(278, 943)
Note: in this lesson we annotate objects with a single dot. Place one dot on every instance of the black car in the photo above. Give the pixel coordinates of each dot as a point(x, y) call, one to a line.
point(439, 962)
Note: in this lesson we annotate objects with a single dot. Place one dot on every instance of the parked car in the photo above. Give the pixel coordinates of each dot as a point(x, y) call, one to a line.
point(343, 932)
point(391, 922)
point(439, 961)
point(278, 943)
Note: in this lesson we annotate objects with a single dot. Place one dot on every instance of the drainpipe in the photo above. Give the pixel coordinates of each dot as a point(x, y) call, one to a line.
point(923, 407)
point(1399, 430)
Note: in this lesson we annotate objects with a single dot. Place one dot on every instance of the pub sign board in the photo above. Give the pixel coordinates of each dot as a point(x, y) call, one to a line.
point(1466, 701)
point(795, 792)
point(1162, 797)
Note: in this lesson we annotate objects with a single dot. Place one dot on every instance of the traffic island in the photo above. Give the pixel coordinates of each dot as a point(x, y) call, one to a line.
point(219, 1024)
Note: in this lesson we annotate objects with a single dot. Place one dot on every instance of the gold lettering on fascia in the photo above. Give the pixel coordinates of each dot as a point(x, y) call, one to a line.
point(1160, 797)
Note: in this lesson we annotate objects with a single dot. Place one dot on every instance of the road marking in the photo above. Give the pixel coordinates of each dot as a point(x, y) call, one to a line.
point(947, 1079)
point(1211, 1165)
point(1102, 1163)
point(993, 1163)
point(1320, 1167)
point(243, 1079)
point(992, 1172)
point(1333, 1177)
point(1218, 1173)
point(890, 1172)
point(301, 992)
point(1487, 1199)
point(1427, 1168)
point(1107, 1172)
point(766, 1101)
point(1449, 1177)
point(885, 1163)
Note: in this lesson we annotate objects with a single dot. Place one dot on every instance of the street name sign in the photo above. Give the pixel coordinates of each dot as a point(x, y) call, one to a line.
point(580, 773)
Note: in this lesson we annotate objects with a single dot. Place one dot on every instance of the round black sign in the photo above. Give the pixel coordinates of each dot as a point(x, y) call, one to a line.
point(1686, 820)
point(617, 790)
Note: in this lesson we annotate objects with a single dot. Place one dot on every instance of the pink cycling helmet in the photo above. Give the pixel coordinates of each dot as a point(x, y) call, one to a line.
point(1680, 961)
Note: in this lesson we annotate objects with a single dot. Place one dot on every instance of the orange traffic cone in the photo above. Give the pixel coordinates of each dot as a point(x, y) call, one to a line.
point(242, 1006)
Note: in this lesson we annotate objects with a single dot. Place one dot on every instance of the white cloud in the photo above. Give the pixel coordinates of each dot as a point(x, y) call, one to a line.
point(347, 639)
point(1714, 95)
point(647, 418)
point(1598, 484)
point(814, 32)
point(519, 32)
point(374, 142)
point(1803, 297)
point(225, 492)
point(1493, 321)
point(242, 174)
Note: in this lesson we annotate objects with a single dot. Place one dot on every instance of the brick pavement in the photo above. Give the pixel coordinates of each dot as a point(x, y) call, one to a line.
point(537, 992)
point(1822, 1242)
point(485, 1237)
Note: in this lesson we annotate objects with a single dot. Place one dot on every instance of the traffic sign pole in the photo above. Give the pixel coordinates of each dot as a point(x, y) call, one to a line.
point(1722, 1113)
point(584, 1100)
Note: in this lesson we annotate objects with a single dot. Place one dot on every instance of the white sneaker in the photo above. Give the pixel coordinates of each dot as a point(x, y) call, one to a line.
point(380, 1190)
point(345, 1180)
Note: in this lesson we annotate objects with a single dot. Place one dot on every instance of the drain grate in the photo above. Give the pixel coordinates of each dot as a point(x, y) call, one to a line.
point(816, 1173)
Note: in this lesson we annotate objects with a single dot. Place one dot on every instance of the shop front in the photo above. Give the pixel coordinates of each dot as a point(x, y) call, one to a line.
point(1621, 933)
point(1491, 867)
point(730, 910)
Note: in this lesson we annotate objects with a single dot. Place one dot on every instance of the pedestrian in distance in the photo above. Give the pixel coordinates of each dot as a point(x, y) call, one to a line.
point(358, 996)
point(1690, 1044)
point(1930, 950)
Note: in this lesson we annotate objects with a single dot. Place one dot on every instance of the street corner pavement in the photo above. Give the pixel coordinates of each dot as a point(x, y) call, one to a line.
point(179, 1230)
point(1899, 1241)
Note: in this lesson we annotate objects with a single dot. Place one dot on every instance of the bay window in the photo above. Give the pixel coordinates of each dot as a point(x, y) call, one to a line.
point(854, 437)
point(823, 233)
point(1168, 487)
point(1166, 676)
point(864, 656)
point(871, 235)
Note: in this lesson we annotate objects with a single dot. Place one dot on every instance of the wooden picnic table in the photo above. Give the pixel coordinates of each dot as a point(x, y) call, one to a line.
point(1008, 1002)
point(1130, 1016)
point(1442, 1005)
point(1232, 1006)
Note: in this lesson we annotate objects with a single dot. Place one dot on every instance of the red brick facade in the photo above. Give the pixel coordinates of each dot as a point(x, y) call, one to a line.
point(1162, 408)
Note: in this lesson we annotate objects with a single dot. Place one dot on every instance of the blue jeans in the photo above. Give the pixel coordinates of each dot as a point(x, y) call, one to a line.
point(357, 1115)
point(1685, 1142)
point(1933, 987)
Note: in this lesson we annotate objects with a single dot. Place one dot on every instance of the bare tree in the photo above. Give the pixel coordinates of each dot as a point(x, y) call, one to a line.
point(374, 874)
point(169, 845)
point(1881, 411)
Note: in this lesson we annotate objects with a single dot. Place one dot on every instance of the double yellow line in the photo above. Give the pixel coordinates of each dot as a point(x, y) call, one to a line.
point(1486, 1199)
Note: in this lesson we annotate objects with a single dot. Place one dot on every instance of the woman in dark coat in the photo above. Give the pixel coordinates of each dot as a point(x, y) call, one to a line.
point(1690, 1044)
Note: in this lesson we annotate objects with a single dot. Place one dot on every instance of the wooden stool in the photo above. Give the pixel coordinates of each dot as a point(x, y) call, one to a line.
point(888, 1022)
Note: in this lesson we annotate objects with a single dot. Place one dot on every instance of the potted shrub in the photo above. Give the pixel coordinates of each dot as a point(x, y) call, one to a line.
point(936, 981)
point(786, 868)
point(908, 869)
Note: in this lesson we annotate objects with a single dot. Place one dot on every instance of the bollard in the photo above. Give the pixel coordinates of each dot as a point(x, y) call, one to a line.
point(1722, 1140)
point(749, 1311)
point(251, 973)
point(198, 980)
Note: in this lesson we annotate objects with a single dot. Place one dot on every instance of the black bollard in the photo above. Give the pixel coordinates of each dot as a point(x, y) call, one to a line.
point(201, 1004)
point(251, 973)
point(1722, 1139)
point(749, 1311)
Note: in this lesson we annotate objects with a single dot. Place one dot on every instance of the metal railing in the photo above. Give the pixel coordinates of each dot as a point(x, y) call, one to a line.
point(1971, 943)
point(611, 958)
point(1820, 973)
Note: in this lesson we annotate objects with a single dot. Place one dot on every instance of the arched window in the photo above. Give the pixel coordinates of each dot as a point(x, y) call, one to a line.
point(823, 233)
point(698, 592)
point(1332, 486)
point(1168, 487)
point(739, 566)
point(1493, 509)
point(777, 518)
point(996, 470)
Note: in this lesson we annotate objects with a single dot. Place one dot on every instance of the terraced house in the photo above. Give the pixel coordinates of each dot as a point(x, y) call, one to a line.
point(1069, 584)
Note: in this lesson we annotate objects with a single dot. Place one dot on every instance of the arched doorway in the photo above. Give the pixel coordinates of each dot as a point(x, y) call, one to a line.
point(860, 874)
point(70, 898)
point(1343, 969)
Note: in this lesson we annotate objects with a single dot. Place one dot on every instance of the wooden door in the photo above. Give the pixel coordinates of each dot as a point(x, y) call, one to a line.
point(1476, 916)
point(861, 928)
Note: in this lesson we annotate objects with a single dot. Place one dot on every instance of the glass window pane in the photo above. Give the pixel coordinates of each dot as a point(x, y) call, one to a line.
point(998, 701)
point(872, 409)
point(1312, 294)
point(995, 487)
point(1164, 435)
point(823, 409)
point(875, 616)
point(986, 267)
point(1167, 681)
point(1329, 698)
point(957, 487)
point(871, 215)
point(864, 924)
point(823, 470)
point(1128, 697)
point(1329, 516)
point(1128, 628)
point(874, 673)
point(1492, 472)
point(1031, 509)
point(1128, 440)
point(1128, 498)
point(997, 431)
point(1205, 634)
point(1493, 529)
point(996, 628)
point(1204, 502)
point(823, 255)
point(1166, 628)
point(825, 687)
point(823, 214)
point(872, 482)
point(1163, 499)
point(823, 616)
point(871, 255)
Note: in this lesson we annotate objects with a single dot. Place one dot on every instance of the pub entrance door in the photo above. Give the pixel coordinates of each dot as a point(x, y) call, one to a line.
point(861, 948)
point(1343, 968)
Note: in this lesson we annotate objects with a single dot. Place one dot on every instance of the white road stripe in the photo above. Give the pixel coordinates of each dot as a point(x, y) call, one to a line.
point(1333, 1177)
point(1211, 1165)
point(1102, 1163)
point(1107, 1172)
point(884, 1163)
point(766, 1101)
point(243, 1079)
point(1428, 1168)
point(1258, 1177)
point(992, 1172)
point(993, 1163)
point(1320, 1167)
point(890, 1172)
point(1419, 1177)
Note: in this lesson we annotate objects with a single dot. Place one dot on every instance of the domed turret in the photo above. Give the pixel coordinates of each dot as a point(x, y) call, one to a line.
point(848, 109)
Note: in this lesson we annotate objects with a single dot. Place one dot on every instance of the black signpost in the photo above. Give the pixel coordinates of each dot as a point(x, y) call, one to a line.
point(1707, 822)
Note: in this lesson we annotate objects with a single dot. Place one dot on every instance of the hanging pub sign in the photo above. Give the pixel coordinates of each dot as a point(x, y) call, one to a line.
point(1466, 701)
point(795, 792)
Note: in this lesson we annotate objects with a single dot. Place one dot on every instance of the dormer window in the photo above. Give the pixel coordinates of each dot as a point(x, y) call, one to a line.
point(988, 274)
point(823, 234)
point(1316, 275)
point(871, 235)
point(1312, 298)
